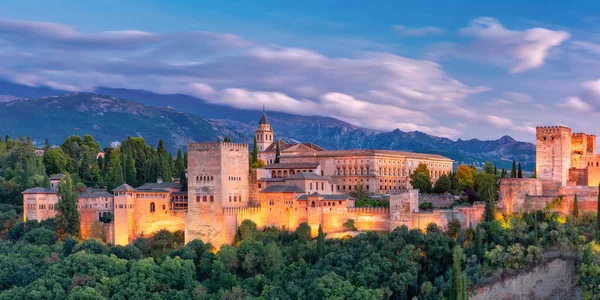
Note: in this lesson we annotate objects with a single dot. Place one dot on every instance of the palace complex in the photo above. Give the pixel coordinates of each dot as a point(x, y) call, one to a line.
point(301, 182)
point(566, 165)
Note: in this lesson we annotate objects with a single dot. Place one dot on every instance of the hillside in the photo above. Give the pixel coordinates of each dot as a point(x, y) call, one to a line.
point(108, 119)
point(222, 120)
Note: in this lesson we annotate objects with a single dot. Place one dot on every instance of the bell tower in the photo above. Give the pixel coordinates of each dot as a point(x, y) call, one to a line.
point(263, 133)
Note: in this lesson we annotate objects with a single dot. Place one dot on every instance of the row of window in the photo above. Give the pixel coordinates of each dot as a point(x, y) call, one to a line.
point(264, 137)
point(151, 196)
point(205, 198)
point(40, 206)
point(235, 178)
point(353, 172)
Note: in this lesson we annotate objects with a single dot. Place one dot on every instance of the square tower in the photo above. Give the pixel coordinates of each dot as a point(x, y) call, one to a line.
point(553, 153)
point(217, 180)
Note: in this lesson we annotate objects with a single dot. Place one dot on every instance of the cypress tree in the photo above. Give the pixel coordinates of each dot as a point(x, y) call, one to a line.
point(458, 284)
point(321, 251)
point(495, 170)
point(277, 152)
point(114, 174)
point(179, 163)
point(534, 174)
point(183, 181)
point(130, 176)
point(46, 145)
point(479, 242)
point(519, 172)
point(254, 153)
point(575, 207)
point(185, 159)
point(67, 215)
point(503, 173)
point(164, 163)
point(489, 211)
point(513, 171)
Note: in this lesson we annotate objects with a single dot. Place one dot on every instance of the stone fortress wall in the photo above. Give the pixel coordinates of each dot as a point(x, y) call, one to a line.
point(566, 165)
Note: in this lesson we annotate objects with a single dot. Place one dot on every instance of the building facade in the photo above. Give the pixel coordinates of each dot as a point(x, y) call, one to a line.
point(304, 184)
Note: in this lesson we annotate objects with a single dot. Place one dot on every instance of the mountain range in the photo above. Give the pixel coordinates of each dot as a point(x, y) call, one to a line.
point(112, 114)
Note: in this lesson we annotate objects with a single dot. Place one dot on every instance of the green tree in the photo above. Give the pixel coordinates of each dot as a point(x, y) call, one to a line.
point(479, 242)
point(503, 173)
point(130, 171)
point(183, 181)
point(490, 211)
point(421, 178)
point(321, 250)
point(274, 260)
point(534, 174)
point(114, 175)
point(248, 230)
point(67, 215)
point(164, 166)
point(513, 171)
point(162, 239)
point(179, 163)
point(443, 184)
point(489, 168)
point(227, 140)
point(519, 172)
point(349, 225)
point(359, 193)
point(486, 187)
point(254, 153)
point(57, 161)
point(46, 145)
point(277, 152)
point(458, 284)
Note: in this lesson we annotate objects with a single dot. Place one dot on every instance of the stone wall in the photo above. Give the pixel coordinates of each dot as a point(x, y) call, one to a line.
point(438, 201)
point(554, 280)
point(514, 190)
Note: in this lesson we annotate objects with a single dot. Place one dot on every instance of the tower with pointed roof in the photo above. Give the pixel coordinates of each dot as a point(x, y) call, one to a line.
point(263, 133)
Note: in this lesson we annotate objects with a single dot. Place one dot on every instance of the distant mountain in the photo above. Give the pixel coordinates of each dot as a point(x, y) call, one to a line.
point(108, 119)
point(330, 133)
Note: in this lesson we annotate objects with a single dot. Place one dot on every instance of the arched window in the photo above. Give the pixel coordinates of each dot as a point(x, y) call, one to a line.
point(152, 207)
point(313, 204)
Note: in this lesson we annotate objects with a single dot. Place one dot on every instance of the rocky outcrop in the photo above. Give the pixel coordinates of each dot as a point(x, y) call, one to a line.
point(553, 280)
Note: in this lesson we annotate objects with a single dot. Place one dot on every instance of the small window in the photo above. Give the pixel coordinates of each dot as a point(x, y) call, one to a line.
point(197, 198)
point(152, 207)
point(164, 207)
point(259, 185)
point(212, 198)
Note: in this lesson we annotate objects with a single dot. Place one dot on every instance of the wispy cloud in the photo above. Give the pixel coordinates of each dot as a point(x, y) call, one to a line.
point(417, 31)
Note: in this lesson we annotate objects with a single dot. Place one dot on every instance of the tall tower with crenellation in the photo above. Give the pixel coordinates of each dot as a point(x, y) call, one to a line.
point(553, 153)
point(263, 133)
point(217, 180)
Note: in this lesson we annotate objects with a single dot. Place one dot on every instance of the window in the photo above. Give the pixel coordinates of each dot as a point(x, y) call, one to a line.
point(197, 198)
point(259, 185)
point(164, 207)
point(212, 198)
point(229, 198)
point(152, 207)
point(204, 198)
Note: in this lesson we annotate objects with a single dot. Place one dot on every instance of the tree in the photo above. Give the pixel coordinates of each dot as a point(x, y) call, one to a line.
point(162, 239)
point(486, 187)
point(179, 163)
point(114, 175)
point(519, 172)
point(513, 171)
point(183, 181)
point(489, 168)
point(575, 207)
point(254, 153)
point(359, 193)
point(277, 152)
point(248, 230)
point(227, 140)
point(534, 174)
point(443, 184)
point(321, 250)
point(458, 283)
point(349, 225)
point(490, 211)
point(421, 178)
point(258, 164)
point(479, 242)
point(57, 161)
point(466, 177)
point(67, 215)
point(503, 173)
point(46, 145)
point(164, 166)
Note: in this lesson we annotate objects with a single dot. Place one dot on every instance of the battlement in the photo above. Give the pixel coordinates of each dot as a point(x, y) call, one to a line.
point(551, 129)
point(206, 146)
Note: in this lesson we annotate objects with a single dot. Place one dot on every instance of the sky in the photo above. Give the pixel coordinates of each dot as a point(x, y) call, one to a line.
point(458, 69)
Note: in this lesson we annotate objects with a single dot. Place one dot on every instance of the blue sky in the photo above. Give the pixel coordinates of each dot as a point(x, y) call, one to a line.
point(460, 69)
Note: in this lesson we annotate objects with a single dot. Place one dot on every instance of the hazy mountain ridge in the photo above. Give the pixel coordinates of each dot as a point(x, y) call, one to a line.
point(219, 121)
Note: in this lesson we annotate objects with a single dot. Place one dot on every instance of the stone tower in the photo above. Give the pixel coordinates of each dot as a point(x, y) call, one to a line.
point(123, 215)
point(553, 153)
point(217, 180)
point(263, 133)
